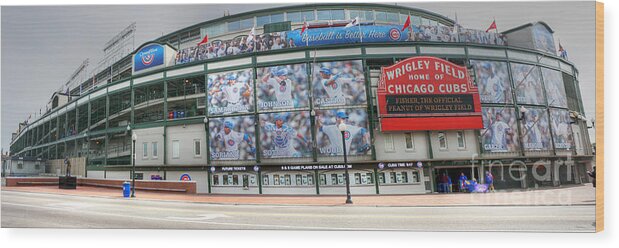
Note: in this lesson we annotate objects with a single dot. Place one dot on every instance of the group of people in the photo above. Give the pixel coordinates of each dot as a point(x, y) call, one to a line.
point(450, 34)
point(445, 184)
point(237, 45)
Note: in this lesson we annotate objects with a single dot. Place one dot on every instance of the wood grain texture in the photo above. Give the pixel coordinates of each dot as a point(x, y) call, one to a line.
point(599, 116)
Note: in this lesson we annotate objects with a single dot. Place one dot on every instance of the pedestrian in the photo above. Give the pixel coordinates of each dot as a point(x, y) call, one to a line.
point(462, 182)
point(449, 184)
point(490, 181)
point(592, 175)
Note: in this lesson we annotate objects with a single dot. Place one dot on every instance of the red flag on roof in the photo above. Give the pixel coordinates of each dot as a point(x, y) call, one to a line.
point(492, 26)
point(407, 23)
point(204, 40)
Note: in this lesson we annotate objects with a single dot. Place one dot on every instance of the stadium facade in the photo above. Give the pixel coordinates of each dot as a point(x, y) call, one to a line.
point(255, 107)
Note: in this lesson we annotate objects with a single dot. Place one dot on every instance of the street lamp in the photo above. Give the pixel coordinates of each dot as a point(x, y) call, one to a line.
point(134, 137)
point(343, 128)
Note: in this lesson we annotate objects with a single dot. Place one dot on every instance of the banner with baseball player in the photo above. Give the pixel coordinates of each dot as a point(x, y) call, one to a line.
point(543, 39)
point(493, 81)
point(231, 92)
point(500, 132)
point(338, 83)
point(232, 138)
point(528, 84)
point(561, 128)
point(285, 135)
point(555, 89)
point(535, 130)
point(282, 87)
point(329, 137)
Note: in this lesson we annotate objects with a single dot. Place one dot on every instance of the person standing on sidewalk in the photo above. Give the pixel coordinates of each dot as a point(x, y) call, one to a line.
point(462, 182)
point(490, 181)
point(592, 175)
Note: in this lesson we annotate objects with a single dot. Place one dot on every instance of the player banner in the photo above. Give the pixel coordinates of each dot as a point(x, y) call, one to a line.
point(500, 133)
point(232, 138)
point(493, 81)
point(528, 84)
point(535, 130)
point(561, 128)
point(329, 138)
point(338, 83)
point(427, 93)
point(231, 92)
point(285, 135)
point(282, 87)
point(555, 89)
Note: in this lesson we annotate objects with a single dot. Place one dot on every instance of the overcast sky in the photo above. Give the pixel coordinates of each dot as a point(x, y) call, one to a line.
point(43, 45)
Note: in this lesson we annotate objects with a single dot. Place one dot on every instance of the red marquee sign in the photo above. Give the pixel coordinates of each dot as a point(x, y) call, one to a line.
point(427, 93)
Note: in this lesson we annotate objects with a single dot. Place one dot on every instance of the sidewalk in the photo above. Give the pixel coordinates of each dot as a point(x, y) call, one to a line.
point(566, 195)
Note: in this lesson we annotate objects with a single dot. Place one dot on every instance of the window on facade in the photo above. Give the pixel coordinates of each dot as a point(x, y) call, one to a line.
point(392, 177)
point(310, 179)
point(225, 179)
point(404, 177)
point(155, 150)
point(442, 140)
point(288, 181)
point(299, 179)
point(461, 141)
point(176, 149)
point(369, 179)
point(277, 17)
point(247, 23)
point(323, 15)
point(381, 177)
point(234, 26)
point(340, 179)
point(393, 17)
point(300, 16)
point(215, 180)
point(410, 145)
point(333, 179)
point(197, 151)
point(235, 179)
point(265, 179)
point(148, 103)
point(357, 178)
point(144, 150)
point(20, 166)
point(364, 15)
point(415, 176)
point(261, 20)
point(323, 179)
point(389, 146)
point(275, 179)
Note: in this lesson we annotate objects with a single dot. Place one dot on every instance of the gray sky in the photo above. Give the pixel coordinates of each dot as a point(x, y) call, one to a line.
point(43, 45)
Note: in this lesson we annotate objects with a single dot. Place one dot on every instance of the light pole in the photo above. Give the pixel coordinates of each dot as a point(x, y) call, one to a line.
point(343, 128)
point(134, 137)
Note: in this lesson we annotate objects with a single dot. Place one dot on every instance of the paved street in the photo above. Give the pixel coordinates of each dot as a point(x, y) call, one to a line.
point(28, 209)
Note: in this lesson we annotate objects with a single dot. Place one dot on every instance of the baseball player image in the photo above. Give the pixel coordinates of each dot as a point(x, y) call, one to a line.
point(230, 140)
point(562, 129)
point(234, 93)
point(282, 86)
point(333, 86)
point(532, 131)
point(281, 137)
point(493, 86)
point(500, 132)
point(335, 136)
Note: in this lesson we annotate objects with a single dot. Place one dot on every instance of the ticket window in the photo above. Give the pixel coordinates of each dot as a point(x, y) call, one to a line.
point(368, 179)
point(323, 179)
point(287, 179)
point(392, 177)
point(381, 177)
point(333, 179)
point(340, 179)
point(357, 178)
point(265, 179)
point(245, 181)
point(404, 177)
point(398, 176)
point(415, 176)
point(299, 180)
point(215, 179)
point(275, 179)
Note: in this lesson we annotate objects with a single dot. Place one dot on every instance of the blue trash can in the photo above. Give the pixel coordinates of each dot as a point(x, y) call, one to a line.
point(126, 189)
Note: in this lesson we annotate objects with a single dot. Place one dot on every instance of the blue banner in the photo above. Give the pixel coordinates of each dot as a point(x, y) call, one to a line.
point(148, 57)
point(344, 35)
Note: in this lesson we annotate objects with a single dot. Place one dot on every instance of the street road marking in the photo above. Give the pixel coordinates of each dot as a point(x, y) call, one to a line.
point(202, 217)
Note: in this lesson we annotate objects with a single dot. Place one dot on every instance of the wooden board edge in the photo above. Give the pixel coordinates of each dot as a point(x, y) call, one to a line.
point(599, 116)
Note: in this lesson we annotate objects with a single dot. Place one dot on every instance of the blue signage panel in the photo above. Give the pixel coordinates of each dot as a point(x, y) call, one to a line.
point(148, 57)
point(344, 35)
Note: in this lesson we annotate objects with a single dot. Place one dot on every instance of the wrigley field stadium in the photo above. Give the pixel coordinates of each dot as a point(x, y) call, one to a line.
point(287, 100)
